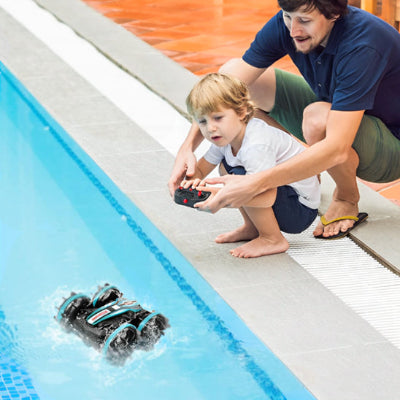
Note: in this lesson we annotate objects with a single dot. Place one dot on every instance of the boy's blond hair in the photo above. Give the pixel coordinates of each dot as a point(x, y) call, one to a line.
point(216, 91)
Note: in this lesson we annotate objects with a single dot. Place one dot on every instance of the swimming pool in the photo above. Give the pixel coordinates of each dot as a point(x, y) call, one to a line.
point(65, 226)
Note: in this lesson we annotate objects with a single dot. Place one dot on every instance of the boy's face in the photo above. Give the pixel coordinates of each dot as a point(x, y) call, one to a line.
point(308, 29)
point(223, 127)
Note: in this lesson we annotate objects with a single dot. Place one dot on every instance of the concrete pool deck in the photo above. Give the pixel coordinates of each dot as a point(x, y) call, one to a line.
point(330, 348)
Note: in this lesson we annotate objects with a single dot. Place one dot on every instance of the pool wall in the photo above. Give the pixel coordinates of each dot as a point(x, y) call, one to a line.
point(326, 345)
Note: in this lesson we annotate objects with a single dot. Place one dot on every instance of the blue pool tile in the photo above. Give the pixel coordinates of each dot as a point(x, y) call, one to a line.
point(15, 382)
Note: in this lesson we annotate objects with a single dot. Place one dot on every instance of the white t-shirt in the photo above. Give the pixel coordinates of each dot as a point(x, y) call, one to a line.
point(262, 148)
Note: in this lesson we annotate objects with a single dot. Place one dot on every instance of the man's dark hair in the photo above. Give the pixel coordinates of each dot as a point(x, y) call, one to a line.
point(329, 8)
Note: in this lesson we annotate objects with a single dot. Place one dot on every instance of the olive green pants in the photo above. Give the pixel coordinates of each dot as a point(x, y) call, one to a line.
point(377, 148)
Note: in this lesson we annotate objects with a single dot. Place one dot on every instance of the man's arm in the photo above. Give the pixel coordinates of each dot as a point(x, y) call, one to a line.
point(341, 130)
point(342, 127)
point(240, 69)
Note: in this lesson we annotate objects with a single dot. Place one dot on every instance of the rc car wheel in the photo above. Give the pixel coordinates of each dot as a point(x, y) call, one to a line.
point(105, 295)
point(120, 344)
point(70, 308)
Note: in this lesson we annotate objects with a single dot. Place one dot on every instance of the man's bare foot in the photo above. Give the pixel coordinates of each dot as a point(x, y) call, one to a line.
point(261, 246)
point(337, 209)
point(245, 232)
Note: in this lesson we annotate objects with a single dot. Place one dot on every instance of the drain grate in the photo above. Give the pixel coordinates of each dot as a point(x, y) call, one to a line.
point(358, 279)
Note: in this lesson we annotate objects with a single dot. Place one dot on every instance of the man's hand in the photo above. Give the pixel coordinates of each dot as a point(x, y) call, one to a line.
point(185, 166)
point(237, 190)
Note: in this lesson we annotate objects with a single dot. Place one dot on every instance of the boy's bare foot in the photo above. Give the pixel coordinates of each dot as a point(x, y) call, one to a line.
point(261, 246)
point(245, 232)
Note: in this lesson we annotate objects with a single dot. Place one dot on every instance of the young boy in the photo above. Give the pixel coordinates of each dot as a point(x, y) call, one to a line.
point(242, 144)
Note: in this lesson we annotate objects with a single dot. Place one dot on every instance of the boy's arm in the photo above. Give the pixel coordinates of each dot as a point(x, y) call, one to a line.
point(203, 168)
point(185, 162)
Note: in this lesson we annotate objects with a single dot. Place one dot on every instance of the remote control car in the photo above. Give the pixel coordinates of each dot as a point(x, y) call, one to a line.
point(190, 196)
point(111, 323)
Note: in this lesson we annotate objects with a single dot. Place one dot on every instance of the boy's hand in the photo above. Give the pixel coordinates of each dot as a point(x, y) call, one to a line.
point(190, 183)
point(185, 166)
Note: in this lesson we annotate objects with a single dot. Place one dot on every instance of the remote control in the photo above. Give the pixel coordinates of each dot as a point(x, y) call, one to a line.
point(189, 197)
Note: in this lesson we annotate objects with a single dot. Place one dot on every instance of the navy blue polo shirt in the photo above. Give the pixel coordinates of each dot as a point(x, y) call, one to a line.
point(358, 70)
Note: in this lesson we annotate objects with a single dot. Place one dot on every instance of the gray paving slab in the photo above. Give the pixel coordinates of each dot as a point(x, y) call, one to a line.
point(354, 372)
point(83, 111)
point(25, 61)
point(297, 317)
point(334, 352)
point(128, 172)
point(57, 83)
point(116, 139)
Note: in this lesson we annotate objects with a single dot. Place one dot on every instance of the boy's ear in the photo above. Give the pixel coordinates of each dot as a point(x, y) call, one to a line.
point(242, 113)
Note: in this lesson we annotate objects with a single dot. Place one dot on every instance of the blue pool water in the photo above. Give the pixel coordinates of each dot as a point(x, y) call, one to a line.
point(65, 226)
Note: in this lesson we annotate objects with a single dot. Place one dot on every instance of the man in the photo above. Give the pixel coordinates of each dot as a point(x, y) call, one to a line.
point(346, 105)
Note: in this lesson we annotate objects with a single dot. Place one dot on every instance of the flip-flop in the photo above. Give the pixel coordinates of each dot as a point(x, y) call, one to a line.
point(361, 217)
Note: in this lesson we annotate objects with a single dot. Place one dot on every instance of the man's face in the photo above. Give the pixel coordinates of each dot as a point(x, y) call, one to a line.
point(308, 29)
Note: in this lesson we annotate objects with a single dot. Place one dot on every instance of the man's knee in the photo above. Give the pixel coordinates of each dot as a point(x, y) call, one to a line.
point(315, 118)
point(378, 150)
